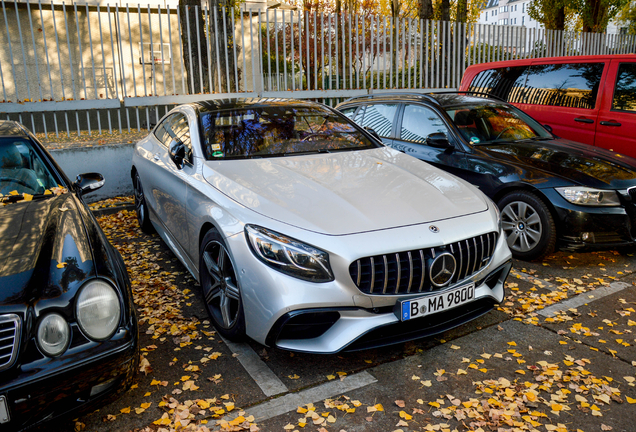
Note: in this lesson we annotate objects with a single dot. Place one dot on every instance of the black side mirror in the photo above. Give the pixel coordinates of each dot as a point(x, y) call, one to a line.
point(89, 182)
point(548, 128)
point(373, 133)
point(177, 152)
point(438, 140)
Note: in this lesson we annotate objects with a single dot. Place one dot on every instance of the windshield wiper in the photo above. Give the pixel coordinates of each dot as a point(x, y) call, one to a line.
point(306, 152)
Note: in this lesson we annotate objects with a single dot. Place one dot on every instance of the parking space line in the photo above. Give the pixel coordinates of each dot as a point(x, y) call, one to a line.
point(534, 280)
point(269, 383)
point(584, 298)
point(290, 402)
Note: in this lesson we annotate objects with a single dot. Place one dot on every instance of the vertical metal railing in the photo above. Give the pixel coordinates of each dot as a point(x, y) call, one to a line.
point(90, 69)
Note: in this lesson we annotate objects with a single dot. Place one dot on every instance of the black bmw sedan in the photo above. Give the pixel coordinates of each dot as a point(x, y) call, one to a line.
point(68, 328)
point(551, 192)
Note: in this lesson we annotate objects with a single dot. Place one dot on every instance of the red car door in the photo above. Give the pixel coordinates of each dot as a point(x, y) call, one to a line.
point(562, 95)
point(616, 128)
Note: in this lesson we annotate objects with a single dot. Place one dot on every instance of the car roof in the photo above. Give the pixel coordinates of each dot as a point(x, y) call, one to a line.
point(441, 99)
point(11, 128)
point(222, 104)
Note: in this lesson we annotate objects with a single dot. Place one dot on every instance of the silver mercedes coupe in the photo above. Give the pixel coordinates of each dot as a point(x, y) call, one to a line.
point(307, 234)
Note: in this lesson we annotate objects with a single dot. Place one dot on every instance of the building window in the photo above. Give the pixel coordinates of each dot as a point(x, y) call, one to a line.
point(523, 18)
point(486, 16)
point(523, 7)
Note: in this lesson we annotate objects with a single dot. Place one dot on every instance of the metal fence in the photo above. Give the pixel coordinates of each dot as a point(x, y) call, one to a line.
point(95, 69)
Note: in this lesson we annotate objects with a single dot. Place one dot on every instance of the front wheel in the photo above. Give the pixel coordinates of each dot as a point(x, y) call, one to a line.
point(528, 224)
point(220, 286)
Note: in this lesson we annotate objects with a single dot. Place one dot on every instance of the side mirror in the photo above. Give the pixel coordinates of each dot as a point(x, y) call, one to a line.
point(177, 152)
point(89, 182)
point(438, 140)
point(373, 133)
point(548, 128)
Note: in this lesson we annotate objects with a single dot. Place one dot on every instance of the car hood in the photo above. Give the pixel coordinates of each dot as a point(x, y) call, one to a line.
point(45, 250)
point(346, 192)
point(579, 163)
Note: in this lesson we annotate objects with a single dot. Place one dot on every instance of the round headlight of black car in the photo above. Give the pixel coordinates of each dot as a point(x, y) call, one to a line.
point(98, 309)
point(54, 335)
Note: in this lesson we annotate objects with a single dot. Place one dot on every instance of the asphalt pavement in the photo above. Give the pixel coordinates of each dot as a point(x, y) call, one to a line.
point(558, 355)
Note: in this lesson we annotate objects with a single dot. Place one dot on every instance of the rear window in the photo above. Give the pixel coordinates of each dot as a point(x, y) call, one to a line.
point(505, 83)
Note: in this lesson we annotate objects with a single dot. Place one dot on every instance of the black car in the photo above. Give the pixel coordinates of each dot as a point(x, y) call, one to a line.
point(68, 328)
point(552, 192)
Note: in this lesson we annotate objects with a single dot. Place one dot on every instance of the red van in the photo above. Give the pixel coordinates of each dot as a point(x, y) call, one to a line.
point(589, 99)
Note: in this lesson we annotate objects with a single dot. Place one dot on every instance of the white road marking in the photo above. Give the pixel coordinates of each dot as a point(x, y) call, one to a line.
point(290, 402)
point(534, 280)
point(584, 298)
point(267, 380)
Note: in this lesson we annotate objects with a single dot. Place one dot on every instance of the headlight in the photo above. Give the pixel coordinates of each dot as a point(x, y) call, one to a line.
point(98, 309)
point(582, 195)
point(54, 335)
point(288, 255)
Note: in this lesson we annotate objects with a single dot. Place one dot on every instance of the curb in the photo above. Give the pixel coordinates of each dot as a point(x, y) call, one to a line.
point(104, 211)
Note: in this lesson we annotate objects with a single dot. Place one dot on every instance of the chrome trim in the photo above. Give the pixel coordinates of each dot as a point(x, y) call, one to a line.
point(408, 290)
point(399, 273)
point(10, 329)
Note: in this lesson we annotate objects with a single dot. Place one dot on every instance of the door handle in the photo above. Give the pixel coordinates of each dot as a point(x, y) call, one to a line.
point(610, 123)
point(583, 120)
point(156, 157)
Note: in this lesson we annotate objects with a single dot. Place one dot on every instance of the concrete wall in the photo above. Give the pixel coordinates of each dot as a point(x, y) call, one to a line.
point(113, 162)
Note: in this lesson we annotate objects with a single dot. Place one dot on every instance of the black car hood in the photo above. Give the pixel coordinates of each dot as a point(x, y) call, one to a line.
point(45, 250)
point(579, 163)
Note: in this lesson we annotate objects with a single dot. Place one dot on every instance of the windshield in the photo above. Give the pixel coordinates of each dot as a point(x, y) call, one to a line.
point(277, 130)
point(491, 123)
point(22, 171)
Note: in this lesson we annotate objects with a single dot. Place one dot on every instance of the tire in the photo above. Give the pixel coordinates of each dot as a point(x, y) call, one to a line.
point(141, 208)
point(528, 224)
point(220, 287)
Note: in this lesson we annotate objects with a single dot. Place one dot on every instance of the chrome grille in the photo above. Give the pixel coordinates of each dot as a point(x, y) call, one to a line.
point(9, 339)
point(405, 272)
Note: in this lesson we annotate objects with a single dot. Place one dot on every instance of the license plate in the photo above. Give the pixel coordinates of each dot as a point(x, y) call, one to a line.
point(4, 410)
point(423, 306)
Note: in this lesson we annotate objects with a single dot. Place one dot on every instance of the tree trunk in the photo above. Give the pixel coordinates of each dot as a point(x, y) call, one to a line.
point(224, 42)
point(462, 11)
point(445, 10)
point(425, 9)
point(191, 15)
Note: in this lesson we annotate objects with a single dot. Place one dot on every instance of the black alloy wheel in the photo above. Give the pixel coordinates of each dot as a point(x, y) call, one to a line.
point(221, 290)
point(141, 208)
point(528, 224)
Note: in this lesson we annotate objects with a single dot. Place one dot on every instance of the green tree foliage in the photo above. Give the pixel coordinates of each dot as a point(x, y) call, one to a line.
point(627, 17)
point(595, 14)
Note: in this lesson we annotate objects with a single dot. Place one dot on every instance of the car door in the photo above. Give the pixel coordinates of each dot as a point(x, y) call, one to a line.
point(169, 181)
point(415, 123)
point(616, 128)
point(563, 95)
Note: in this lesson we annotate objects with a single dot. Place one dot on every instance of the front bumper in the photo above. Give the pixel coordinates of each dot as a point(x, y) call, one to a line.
point(301, 316)
point(593, 227)
point(85, 380)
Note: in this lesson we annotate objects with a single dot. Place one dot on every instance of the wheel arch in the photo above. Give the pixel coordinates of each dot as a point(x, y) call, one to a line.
point(536, 192)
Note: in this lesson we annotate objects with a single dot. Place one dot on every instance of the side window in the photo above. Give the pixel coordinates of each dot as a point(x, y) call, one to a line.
point(379, 117)
point(625, 91)
point(349, 112)
point(419, 122)
point(573, 85)
point(506, 83)
point(175, 127)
